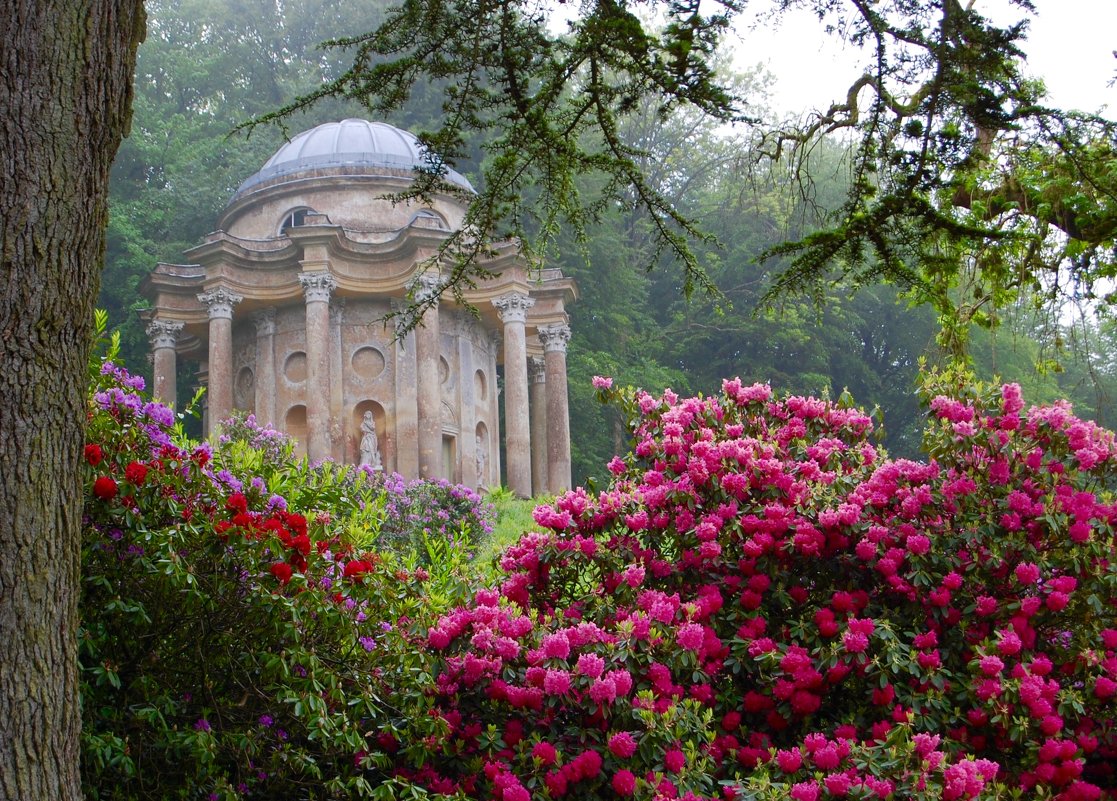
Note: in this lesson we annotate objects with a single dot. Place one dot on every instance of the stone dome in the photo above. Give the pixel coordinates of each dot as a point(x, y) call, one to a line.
point(351, 143)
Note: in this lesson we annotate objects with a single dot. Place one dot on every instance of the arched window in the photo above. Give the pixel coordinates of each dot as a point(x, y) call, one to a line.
point(429, 219)
point(295, 218)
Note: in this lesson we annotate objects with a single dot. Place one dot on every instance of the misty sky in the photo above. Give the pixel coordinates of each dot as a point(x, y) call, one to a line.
point(1070, 45)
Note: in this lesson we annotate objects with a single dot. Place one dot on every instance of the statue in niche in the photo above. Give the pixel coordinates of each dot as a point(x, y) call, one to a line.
point(479, 460)
point(370, 447)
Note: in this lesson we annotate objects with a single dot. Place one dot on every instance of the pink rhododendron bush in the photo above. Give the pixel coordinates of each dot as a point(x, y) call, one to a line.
point(762, 606)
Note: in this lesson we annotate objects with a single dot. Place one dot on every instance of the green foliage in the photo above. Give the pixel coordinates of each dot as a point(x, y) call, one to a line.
point(205, 67)
point(234, 641)
point(513, 518)
point(961, 178)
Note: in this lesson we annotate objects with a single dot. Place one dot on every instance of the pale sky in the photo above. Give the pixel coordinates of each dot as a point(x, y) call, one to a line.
point(1070, 46)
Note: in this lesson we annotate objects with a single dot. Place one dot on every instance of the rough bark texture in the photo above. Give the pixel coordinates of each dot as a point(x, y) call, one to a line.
point(66, 69)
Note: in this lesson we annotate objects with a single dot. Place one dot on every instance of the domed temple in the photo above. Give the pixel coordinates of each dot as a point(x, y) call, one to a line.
point(284, 307)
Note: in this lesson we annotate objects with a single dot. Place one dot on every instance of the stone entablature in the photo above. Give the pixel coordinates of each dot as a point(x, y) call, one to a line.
point(293, 325)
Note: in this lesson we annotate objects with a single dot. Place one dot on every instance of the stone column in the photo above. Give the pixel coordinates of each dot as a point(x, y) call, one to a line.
point(554, 339)
point(428, 400)
point(164, 383)
point(265, 366)
point(537, 376)
point(220, 302)
point(513, 308)
point(317, 287)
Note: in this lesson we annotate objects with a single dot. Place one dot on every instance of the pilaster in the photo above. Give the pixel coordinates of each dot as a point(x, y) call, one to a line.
point(495, 466)
point(406, 377)
point(339, 423)
point(317, 288)
point(265, 366)
point(424, 290)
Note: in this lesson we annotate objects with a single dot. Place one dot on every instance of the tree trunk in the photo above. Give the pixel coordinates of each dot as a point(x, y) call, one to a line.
point(66, 70)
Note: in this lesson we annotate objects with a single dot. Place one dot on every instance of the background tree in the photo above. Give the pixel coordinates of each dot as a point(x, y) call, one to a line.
point(65, 99)
point(206, 67)
point(960, 173)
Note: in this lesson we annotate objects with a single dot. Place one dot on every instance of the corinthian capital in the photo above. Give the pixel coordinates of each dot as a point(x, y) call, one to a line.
point(265, 322)
point(536, 370)
point(220, 302)
point(513, 307)
point(164, 333)
point(554, 337)
point(425, 287)
point(317, 286)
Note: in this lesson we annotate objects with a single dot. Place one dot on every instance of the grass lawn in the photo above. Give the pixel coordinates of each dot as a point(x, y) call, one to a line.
point(513, 519)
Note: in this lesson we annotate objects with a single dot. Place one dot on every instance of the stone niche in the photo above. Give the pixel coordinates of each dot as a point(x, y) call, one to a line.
point(287, 309)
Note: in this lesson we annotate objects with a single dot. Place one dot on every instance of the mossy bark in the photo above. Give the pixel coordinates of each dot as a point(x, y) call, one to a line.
point(66, 71)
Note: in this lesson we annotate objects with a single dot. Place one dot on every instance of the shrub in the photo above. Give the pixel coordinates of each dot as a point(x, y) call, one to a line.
point(273, 447)
point(761, 605)
point(422, 509)
point(372, 509)
point(234, 643)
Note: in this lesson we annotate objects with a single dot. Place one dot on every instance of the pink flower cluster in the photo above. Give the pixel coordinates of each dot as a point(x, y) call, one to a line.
point(760, 594)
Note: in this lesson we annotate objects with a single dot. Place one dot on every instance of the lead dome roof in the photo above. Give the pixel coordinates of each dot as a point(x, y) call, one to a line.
point(350, 143)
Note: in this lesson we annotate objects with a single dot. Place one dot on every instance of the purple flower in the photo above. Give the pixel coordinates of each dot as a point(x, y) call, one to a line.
point(229, 480)
point(266, 721)
point(202, 725)
point(368, 643)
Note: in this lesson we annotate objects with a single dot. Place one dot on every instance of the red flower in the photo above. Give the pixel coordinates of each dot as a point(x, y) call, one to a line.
point(237, 503)
point(297, 523)
point(136, 473)
point(105, 488)
point(93, 454)
point(282, 571)
point(356, 568)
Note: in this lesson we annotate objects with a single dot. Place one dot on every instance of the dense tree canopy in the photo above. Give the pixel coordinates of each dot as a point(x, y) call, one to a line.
point(966, 188)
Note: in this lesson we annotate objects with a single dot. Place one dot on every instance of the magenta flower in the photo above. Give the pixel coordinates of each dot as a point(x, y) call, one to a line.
point(690, 636)
point(674, 760)
point(805, 791)
point(991, 665)
point(556, 682)
point(1027, 573)
point(789, 761)
point(622, 745)
point(545, 753)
